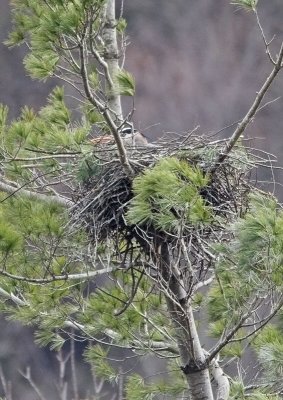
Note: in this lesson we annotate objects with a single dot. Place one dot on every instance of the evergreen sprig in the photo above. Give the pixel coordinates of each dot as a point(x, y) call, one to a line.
point(167, 196)
point(126, 83)
point(246, 4)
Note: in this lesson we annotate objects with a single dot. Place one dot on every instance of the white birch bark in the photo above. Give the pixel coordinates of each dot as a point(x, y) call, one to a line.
point(111, 57)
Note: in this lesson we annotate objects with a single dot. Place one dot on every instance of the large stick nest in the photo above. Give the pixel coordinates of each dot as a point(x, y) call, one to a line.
point(105, 195)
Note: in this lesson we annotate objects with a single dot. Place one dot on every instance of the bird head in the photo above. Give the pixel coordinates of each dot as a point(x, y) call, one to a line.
point(127, 129)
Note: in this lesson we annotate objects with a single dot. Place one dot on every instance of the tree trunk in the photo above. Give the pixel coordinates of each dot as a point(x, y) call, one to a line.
point(111, 56)
point(181, 314)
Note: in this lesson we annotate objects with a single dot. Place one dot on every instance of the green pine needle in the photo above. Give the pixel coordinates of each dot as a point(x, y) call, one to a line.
point(246, 4)
point(41, 66)
point(3, 116)
point(126, 83)
point(168, 196)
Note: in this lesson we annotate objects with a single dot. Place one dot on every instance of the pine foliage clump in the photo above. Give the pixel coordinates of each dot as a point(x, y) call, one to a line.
point(169, 195)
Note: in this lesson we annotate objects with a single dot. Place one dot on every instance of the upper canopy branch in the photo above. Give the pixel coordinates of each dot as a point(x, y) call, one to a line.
point(251, 112)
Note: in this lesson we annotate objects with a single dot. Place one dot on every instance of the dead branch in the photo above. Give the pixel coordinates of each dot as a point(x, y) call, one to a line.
point(250, 114)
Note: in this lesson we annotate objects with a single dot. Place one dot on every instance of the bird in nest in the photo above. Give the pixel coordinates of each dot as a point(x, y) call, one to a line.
point(130, 136)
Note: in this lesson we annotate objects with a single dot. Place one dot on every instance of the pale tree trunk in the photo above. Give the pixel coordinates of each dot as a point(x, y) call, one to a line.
point(191, 354)
point(112, 109)
point(181, 313)
point(111, 57)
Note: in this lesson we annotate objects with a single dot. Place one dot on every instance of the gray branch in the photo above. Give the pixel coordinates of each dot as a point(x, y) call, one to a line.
point(251, 113)
point(66, 277)
point(20, 191)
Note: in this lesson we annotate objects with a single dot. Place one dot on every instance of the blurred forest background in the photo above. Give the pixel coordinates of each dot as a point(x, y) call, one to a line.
point(195, 63)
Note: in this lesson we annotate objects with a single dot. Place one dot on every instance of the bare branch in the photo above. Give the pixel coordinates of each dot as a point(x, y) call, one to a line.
point(267, 44)
point(6, 385)
point(27, 376)
point(63, 384)
point(251, 113)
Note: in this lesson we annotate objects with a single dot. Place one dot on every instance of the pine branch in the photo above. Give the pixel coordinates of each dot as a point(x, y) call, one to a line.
point(13, 297)
point(228, 336)
point(35, 159)
point(65, 277)
point(20, 191)
point(141, 344)
point(261, 324)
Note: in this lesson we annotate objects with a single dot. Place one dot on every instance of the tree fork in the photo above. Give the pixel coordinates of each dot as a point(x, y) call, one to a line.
point(193, 360)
